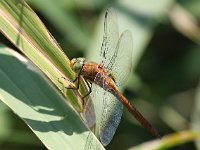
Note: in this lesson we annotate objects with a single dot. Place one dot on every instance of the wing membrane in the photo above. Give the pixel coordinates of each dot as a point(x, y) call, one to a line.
point(110, 118)
point(121, 61)
point(110, 37)
point(108, 113)
point(116, 55)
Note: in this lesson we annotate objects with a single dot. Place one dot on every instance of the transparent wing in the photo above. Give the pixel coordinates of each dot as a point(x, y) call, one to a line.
point(110, 37)
point(120, 64)
point(89, 113)
point(110, 118)
point(92, 143)
point(108, 112)
point(97, 98)
point(121, 61)
point(108, 109)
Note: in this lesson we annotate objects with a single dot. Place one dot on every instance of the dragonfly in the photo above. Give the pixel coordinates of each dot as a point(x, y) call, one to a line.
point(112, 71)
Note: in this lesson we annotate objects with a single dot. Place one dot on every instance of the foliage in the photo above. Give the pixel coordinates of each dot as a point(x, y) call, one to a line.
point(164, 84)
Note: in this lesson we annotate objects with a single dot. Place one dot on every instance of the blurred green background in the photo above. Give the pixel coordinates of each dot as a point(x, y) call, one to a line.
point(165, 78)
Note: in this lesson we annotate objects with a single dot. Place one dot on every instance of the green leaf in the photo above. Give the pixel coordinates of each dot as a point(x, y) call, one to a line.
point(195, 116)
point(66, 23)
point(26, 91)
point(25, 30)
point(169, 141)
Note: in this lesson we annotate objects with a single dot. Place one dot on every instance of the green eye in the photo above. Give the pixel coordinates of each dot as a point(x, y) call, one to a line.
point(78, 64)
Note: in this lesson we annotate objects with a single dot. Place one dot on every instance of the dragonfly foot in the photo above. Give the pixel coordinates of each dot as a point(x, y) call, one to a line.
point(70, 86)
point(78, 81)
point(75, 79)
point(86, 95)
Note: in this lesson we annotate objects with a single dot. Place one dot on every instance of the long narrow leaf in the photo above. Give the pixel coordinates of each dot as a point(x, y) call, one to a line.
point(24, 90)
point(25, 30)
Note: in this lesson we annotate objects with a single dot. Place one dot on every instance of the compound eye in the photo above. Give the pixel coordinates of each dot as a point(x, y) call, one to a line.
point(72, 62)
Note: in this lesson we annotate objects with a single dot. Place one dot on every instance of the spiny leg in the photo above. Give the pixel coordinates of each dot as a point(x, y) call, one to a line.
point(78, 78)
point(72, 87)
point(78, 84)
point(89, 85)
point(69, 86)
point(78, 81)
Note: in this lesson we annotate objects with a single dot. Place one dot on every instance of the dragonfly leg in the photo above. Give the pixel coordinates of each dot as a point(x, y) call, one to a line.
point(78, 77)
point(78, 81)
point(69, 87)
point(90, 89)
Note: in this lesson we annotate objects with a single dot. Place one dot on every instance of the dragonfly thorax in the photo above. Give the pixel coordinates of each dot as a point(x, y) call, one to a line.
point(77, 64)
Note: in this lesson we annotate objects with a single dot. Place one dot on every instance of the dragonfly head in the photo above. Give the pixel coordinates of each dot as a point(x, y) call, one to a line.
point(77, 64)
